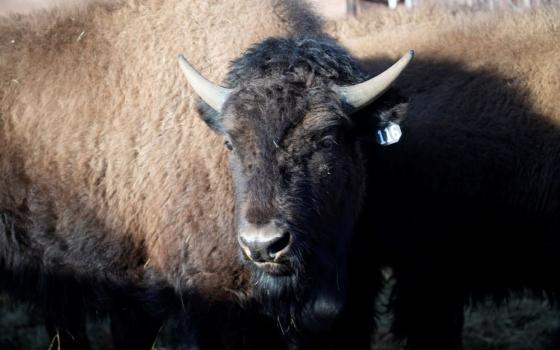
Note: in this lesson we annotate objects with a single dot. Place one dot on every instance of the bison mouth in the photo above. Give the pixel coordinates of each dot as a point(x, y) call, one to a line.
point(281, 268)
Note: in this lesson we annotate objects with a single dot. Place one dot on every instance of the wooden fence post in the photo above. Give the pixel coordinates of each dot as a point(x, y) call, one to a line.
point(352, 7)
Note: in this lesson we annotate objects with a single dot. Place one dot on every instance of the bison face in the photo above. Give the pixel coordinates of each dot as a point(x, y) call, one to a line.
point(297, 170)
point(298, 179)
point(297, 173)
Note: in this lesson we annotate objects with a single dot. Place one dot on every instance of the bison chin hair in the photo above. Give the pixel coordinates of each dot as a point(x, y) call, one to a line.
point(305, 303)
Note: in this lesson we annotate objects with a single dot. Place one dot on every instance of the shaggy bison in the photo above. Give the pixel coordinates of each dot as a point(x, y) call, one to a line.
point(470, 202)
point(117, 192)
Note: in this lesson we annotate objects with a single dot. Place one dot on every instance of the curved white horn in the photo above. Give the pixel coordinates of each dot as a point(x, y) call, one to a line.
point(360, 95)
point(212, 94)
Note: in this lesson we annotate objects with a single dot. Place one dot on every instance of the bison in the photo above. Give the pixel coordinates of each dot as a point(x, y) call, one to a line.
point(470, 202)
point(120, 191)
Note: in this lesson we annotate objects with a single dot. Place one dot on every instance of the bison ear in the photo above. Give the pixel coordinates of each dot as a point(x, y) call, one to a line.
point(389, 130)
point(382, 119)
point(394, 114)
point(210, 116)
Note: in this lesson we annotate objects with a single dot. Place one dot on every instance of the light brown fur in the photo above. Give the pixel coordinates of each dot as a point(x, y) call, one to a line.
point(34, 7)
point(100, 138)
point(520, 45)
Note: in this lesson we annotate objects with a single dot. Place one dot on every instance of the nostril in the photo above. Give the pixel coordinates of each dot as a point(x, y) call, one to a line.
point(279, 245)
point(248, 248)
point(264, 244)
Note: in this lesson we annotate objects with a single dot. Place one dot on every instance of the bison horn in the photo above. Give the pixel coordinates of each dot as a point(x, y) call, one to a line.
point(212, 94)
point(360, 95)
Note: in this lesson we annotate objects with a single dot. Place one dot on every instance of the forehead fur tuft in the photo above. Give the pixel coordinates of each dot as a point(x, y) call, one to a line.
point(298, 58)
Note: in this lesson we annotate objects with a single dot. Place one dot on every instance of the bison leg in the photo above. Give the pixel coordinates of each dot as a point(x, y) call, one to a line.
point(427, 314)
point(132, 328)
point(68, 332)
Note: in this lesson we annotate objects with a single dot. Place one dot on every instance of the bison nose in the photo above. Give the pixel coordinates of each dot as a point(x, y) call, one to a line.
point(265, 243)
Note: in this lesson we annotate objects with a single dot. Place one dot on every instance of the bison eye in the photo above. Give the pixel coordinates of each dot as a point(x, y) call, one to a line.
point(327, 143)
point(228, 145)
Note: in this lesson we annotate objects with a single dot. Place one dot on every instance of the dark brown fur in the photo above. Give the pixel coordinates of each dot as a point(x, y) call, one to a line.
point(467, 206)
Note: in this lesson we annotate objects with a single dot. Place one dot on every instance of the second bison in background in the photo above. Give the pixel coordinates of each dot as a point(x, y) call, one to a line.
point(471, 197)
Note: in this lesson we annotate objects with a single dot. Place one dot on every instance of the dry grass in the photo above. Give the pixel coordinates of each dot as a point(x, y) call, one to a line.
point(21, 328)
point(525, 323)
point(522, 324)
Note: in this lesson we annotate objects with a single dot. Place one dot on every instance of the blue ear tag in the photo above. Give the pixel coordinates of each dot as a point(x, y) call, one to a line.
point(390, 134)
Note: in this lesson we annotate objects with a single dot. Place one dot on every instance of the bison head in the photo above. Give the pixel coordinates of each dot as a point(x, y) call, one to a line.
point(289, 117)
